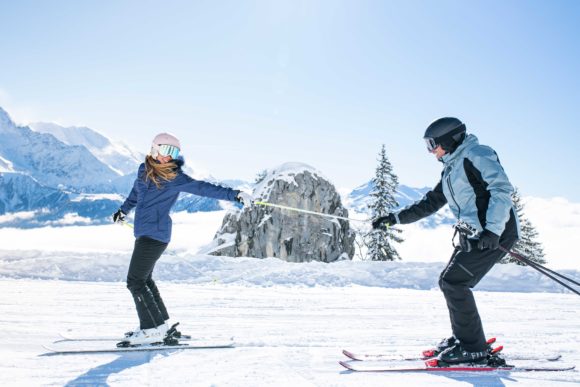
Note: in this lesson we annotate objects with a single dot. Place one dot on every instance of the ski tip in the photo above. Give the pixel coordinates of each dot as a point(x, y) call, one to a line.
point(345, 365)
point(63, 338)
point(51, 351)
point(349, 354)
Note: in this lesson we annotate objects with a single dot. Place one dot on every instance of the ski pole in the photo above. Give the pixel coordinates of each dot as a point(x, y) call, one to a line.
point(125, 223)
point(266, 204)
point(541, 269)
point(530, 262)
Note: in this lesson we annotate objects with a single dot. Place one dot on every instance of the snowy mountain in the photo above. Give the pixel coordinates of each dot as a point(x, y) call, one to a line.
point(5, 165)
point(54, 175)
point(50, 161)
point(119, 157)
point(20, 192)
point(359, 200)
point(25, 203)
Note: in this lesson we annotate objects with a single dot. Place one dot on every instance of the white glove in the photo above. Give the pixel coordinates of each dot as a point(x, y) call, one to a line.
point(246, 199)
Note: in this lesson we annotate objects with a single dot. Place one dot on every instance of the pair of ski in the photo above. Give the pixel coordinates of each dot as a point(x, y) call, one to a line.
point(378, 362)
point(173, 342)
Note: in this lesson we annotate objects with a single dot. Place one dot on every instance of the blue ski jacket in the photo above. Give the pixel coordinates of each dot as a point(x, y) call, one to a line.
point(152, 204)
point(474, 185)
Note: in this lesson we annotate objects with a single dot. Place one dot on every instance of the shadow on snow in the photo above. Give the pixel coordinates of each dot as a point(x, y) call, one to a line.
point(99, 375)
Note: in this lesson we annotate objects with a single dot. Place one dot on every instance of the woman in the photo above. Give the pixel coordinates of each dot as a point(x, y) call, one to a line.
point(156, 189)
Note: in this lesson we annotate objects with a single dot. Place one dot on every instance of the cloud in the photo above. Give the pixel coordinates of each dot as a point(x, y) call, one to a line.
point(70, 219)
point(552, 212)
point(557, 221)
point(17, 216)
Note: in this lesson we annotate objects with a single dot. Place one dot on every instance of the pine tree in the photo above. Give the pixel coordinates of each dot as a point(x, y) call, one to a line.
point(528, 246)
point(385, 183)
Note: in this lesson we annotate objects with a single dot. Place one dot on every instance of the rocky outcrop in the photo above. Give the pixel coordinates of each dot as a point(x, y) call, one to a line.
point(263, 231)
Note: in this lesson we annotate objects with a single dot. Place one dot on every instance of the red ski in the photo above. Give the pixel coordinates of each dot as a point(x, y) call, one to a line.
point(422, 367)
point(429, 354)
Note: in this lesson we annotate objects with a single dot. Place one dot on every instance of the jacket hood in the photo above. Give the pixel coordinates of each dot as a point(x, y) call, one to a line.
point(470, 141)
point(180, 162)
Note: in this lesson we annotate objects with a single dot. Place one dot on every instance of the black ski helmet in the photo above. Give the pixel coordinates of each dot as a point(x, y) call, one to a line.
point(448, 132)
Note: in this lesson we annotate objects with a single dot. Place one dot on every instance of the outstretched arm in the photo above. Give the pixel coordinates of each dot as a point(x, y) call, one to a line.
point(429, 204)
point(185, 183)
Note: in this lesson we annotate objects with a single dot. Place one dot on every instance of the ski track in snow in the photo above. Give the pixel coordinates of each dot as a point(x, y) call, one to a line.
point(285, 335)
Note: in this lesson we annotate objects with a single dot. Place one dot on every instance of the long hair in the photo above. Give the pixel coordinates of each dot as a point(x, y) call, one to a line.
point(156, 172)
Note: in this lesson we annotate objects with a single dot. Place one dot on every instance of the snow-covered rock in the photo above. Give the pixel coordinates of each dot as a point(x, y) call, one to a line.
point(295, 237)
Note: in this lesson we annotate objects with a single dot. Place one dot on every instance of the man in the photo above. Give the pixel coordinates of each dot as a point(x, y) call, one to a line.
point(478, 192)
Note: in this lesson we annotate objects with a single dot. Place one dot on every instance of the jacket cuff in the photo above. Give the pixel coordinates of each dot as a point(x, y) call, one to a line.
point(236, 193)
point(397, 218)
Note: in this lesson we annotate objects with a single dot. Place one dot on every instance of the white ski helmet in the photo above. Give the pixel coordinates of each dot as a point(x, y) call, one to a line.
point(165, 144)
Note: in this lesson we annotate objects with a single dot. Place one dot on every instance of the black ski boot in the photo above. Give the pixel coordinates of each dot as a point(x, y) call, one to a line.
point(450, 342)
point(442, 346)
point(458, 354)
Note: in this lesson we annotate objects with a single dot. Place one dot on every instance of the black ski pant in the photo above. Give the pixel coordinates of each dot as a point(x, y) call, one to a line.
point(462, 273)
point(150, 307)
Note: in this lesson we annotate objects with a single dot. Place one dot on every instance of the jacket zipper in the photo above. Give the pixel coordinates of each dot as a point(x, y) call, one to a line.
point(453, 195)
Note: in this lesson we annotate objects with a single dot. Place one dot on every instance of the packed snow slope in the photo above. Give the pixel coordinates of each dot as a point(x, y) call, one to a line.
point(285, 336)
point(207, 269)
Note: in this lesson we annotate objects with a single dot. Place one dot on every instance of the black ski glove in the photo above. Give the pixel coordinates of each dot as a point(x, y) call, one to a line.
point(119, 216)
point(384, 221)
point(488, 240)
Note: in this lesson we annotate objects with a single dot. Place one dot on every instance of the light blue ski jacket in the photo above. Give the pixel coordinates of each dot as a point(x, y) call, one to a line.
point(475, 186)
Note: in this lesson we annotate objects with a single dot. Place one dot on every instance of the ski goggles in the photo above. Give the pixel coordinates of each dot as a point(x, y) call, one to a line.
point(431, 144)
point(168, 150)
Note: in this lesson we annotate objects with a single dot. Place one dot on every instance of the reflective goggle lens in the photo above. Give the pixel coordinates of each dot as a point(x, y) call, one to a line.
point(169, 150)
point(431, 145)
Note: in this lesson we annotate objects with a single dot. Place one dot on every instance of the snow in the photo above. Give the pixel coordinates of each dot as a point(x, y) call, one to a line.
point(284, 172)
point(285, 336)
point(6, 165)
point(290, 321)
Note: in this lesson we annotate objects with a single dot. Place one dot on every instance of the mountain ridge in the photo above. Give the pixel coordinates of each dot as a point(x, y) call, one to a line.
point(49, 170)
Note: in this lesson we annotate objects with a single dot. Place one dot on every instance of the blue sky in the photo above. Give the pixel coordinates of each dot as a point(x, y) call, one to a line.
point(250, 85)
